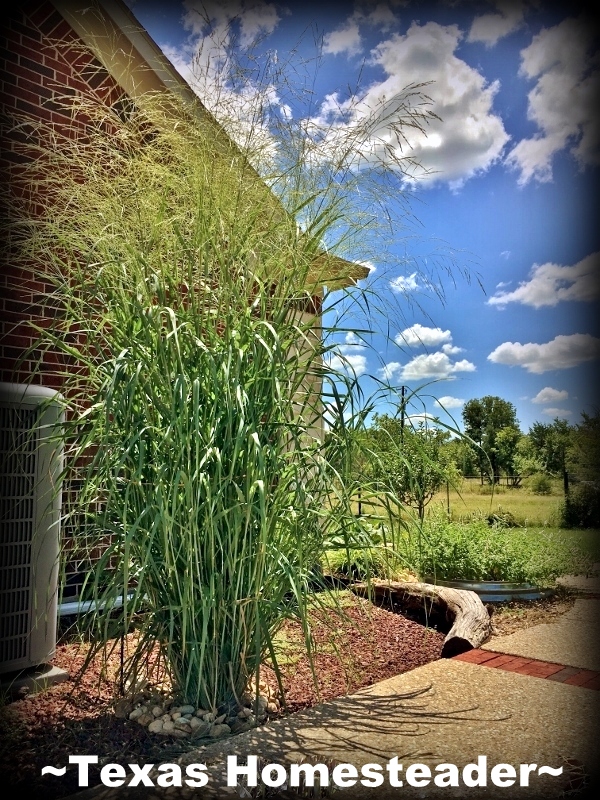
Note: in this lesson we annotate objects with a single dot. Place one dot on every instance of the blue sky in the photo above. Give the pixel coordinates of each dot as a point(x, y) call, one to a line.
point(508, 183)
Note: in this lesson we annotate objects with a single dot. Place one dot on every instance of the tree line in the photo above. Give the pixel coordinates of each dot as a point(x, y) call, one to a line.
point(415, 460)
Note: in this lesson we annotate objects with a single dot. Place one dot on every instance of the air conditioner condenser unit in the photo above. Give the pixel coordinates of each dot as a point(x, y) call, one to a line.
point(31, 464)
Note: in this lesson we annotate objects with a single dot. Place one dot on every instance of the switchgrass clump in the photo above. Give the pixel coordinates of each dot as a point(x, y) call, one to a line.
point(185, 292)
point(186, 319)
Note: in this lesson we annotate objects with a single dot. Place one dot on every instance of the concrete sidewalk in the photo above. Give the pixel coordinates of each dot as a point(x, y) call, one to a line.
point(449, 711)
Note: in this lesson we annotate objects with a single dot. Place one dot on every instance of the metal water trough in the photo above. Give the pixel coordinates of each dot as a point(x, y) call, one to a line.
point(496, 591)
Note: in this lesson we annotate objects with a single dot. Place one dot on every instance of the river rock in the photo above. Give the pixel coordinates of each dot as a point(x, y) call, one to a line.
point(156, 726)
point(219, 730)
point(123, 708)
point(241, 726)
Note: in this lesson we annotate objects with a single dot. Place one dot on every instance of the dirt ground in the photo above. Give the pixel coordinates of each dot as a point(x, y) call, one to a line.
point(366, 645)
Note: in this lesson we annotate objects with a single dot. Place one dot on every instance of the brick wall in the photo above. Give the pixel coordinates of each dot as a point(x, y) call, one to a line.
point(43, 63)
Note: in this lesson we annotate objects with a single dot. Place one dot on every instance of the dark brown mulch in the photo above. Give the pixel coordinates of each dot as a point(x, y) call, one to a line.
point(365, 645)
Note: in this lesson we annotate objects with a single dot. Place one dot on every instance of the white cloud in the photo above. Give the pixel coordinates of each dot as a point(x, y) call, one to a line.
point(434, 365)
point(550, 395)
point(421, 419)
point(346, 39)
point(451, 350)
point(404, 283)
point(489, 28)
point(347, 357)
point(391, 370)
point(347, 362)
point(506, 254)
point(205, 62)
point(556, 412)
point(469, 137)
point(463, 366)
point(255, 17)
point(418, 335)
point(563, 101)
point(560, 353)
point(550, 283)
point(449, 402)
point(352, 338)
point(466, 139)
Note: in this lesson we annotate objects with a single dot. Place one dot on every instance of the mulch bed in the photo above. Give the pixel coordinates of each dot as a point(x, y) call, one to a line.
point(367, 644)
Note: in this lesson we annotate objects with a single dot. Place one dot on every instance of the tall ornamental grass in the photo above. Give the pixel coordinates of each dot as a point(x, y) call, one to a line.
point(184, 320)
point(182, 297)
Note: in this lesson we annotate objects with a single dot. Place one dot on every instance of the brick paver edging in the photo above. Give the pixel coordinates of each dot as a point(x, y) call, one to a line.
point(573, 676)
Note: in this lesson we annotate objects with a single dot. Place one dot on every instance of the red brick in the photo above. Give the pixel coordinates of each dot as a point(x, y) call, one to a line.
point(54, 25)
point(23, 342)
point(565, 672)
point(20, 70)
point(8, 53)
point(516, 665)
point(34, 86)
point(499, 659)
point(27, 31)
point(582, 677)
point(476, 656)
point(541, 669)
point(26, 60)
point(594, 683)
point(52, 58)
point(34, 111)
point(40, 16)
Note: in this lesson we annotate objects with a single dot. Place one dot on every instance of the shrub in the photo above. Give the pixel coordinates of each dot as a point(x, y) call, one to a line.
point(541, 484)
point(581, 509)
point(366, 554)
point(475, 551)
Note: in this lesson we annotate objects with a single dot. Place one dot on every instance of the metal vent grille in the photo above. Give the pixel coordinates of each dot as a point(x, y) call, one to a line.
point(18, 449)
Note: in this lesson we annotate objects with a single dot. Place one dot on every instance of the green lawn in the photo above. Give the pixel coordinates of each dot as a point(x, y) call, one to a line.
point(473, 499)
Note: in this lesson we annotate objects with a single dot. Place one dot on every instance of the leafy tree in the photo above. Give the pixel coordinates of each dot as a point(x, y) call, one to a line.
point(550, 441)
point(526, 461)
point(463, 456)
point(507, 446)
point(583, 448)
point(484, 421)
point(582, 505)
point(411, 462)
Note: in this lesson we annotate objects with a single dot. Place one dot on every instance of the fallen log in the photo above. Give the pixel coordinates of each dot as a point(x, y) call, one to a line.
point(472, 625)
